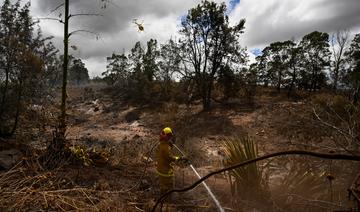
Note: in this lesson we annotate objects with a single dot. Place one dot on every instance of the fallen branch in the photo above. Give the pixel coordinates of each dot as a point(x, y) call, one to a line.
point(291, 152)
point(316, 201)
point(354, 188)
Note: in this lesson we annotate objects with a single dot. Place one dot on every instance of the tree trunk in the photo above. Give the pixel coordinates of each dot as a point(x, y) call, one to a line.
point(62, 120)
point(336, 75)
point(279, 82)
point(313, 80)
point(3, 98)
point(355, 95)
point(7, 71)
point(207, 97)
point(292, 83)
point(18, 106)
point(206, 103)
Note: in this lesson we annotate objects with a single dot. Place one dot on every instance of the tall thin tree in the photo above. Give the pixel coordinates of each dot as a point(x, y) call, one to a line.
point(62, 127)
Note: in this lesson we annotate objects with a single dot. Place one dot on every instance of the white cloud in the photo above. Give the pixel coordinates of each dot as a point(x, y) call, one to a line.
point(115, 26)
point(266, 21)
point(95, 65)
point(275, 20)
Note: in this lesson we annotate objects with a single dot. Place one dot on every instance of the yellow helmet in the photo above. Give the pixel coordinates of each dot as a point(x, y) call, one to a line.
point(167, 131)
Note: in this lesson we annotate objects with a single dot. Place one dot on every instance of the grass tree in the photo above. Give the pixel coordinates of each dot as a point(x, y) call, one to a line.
point(246, 182)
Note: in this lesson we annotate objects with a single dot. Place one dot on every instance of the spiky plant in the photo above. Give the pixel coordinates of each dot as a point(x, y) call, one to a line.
point(302, 185)
point(304, 181)
point(246, 182)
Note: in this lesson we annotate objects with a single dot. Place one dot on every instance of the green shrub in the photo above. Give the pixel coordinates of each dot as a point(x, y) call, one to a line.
point(246, 182)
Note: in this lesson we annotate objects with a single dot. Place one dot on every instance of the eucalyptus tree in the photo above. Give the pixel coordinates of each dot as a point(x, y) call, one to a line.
point(137, 87)
point(293, 63)
point(9, 51)
point(209, 42)
point(261, 67)
point(315, 57)
point(150, 60)
point(278, 56)
point(23, 63)
point(117, 69)
point(352, 76)
point(136, 58)
point(78, 73)
point(229, 81)
point(169, 65)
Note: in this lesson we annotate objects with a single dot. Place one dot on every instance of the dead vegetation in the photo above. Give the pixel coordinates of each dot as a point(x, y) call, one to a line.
point(86, 180)
point(24, 189)
point(109, 164)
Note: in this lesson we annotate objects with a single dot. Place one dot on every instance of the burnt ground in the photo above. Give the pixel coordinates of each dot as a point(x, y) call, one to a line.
point(127, 133)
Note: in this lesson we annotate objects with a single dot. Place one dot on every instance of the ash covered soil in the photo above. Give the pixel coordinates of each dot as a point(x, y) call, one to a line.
point(127, 134)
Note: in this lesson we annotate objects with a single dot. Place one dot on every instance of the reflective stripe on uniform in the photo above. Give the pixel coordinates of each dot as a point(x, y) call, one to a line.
point(170, 174)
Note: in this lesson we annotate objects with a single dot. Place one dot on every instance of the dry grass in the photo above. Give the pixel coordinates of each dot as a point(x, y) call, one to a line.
point(22, 189)
point(88, 181)
point(303, 185)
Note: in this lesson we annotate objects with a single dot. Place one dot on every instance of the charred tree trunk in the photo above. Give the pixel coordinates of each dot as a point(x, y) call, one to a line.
point(207, 99)
point(206, 89)
point(7, 72)
point(292, 82)
point(18, 108)
point(336, 75)
point(62, 120)
point(3, 98)
point(279, 81)
point(356, 94)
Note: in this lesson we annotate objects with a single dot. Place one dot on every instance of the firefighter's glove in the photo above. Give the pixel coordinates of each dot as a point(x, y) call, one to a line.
point(172, 141)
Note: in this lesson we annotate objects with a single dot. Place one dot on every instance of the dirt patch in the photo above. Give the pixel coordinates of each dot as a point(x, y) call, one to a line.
point(128, 182)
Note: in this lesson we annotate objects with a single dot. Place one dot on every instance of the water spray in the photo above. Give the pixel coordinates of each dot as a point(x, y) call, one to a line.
point(216, 201)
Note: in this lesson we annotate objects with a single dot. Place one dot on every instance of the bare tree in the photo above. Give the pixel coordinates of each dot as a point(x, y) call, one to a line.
point(65, 70)
point(339, 43)
point(67, 34)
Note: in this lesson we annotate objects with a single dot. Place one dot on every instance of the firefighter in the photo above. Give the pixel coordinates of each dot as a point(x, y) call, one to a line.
point(166, 161)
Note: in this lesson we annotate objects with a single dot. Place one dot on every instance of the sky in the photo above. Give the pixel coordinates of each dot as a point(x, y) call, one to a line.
point(266, 21)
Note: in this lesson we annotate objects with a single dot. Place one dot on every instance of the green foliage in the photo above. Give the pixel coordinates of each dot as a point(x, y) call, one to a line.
point(169, 64)
point(315, 57)
point(278, 56)
point(210, 43)
point(150, 60)
point(139, 83)
point(89, 157)
point(352, 76)
point(81, 154)
point(230, 82)
point(145, 75)
point(287, 64)
point(117, 69)
point(248, 180)
point(78, 73)
point(26, 60)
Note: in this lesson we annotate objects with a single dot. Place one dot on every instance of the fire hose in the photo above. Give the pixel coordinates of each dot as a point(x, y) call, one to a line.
point(216, 201)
